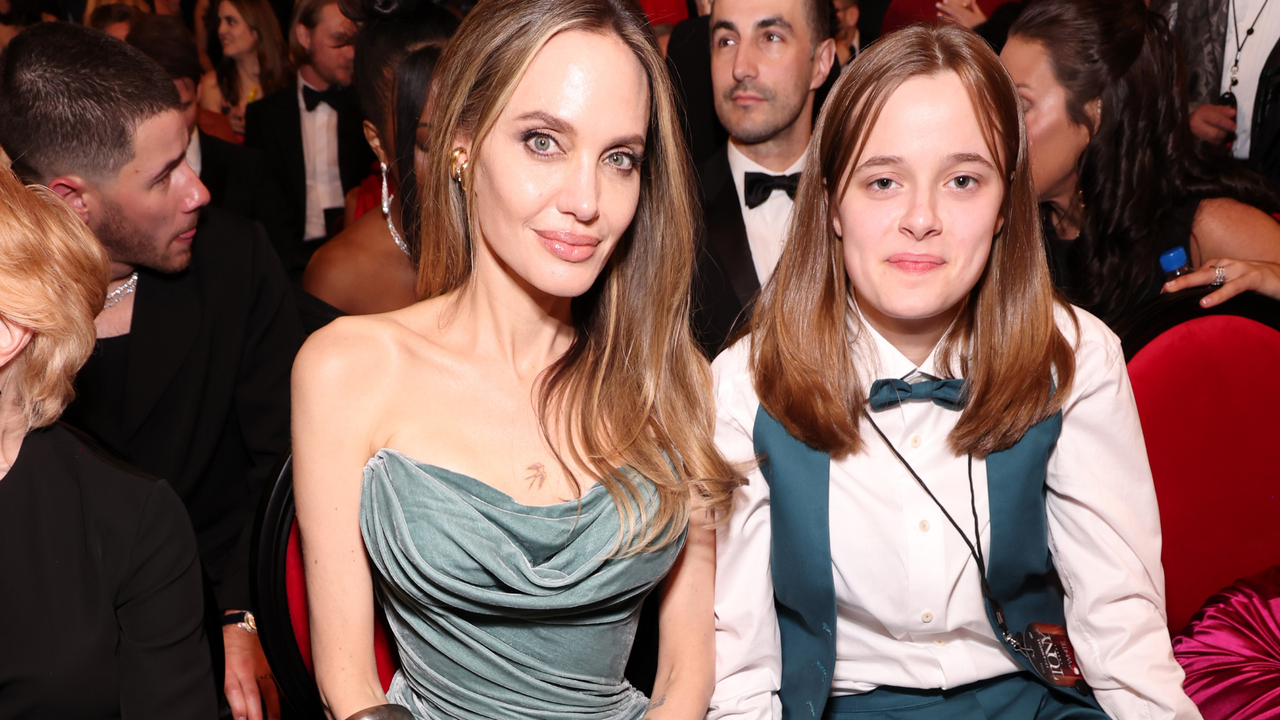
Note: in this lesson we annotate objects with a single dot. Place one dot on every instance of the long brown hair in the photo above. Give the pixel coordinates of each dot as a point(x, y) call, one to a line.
point(1005, 340)
point(273, 64)
point(633, 385)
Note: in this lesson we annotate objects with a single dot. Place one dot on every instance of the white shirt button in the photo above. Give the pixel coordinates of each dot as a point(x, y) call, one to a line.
point(915, 441)
point(940, 643)
point(924, 526)
point(926, 616)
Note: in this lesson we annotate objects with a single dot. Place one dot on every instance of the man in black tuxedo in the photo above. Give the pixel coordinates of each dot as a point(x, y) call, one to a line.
point(236, 176)
point(190, 377)
point(312, 131)
point(767, 61)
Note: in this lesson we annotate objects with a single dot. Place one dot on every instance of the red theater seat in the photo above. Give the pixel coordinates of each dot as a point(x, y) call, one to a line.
point(1207, 383)
point(279, 590)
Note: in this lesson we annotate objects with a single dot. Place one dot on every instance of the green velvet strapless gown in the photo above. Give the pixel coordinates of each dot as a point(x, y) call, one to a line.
point(501, 610)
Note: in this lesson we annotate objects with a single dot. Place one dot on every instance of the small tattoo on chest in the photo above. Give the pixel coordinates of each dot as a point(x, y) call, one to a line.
point(537, 475)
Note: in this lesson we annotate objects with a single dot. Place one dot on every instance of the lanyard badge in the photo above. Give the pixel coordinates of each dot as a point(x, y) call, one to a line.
point(1050, 652)
point(1045, 645)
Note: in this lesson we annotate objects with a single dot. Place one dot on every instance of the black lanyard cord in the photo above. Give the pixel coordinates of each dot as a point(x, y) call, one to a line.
point(977, 536)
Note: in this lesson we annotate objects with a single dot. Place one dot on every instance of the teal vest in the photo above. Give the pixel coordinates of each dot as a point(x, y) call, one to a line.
point(1019, 569)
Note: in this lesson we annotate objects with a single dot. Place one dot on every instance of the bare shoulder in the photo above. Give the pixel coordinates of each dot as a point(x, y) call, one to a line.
point(334, 267)
point(1226, 228)
point(210, 93)
point(355, 353)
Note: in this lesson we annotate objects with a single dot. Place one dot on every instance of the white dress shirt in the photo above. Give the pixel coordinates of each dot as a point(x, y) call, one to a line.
point(1253, 56)
point(768, 222)
point(909, 605)
point(194, 158)
point(320, 153)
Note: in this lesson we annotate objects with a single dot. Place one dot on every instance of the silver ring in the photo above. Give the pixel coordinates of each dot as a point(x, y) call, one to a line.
point(1219, 276)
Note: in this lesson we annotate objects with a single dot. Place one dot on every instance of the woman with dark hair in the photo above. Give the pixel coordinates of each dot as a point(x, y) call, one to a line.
point(370, 267)
point(1121, 178)
point(254, 60)
point(932, 544)
point(513, 463)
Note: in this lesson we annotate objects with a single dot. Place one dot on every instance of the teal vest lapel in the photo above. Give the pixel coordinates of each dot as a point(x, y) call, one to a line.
point(1020, 569)
point(804, 590)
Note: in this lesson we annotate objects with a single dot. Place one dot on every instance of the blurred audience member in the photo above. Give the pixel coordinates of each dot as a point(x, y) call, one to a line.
point(1233, 74)
point(91, 7)
point(170, 44)
point(994, 28)
point(846, 31)
point(689, 63)
point(18, 14)
point(99, 560)
point(370, 267)
point(253, 62)
point(115, 19)
point(1121, 179)
point(190, 378)
point(311, 132)
point(870, 17)
point(969, 13)
point(767, 61)
point(236, 176)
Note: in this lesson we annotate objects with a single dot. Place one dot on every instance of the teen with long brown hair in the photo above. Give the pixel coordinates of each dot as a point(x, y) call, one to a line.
point(534, 436)
point(953, 479)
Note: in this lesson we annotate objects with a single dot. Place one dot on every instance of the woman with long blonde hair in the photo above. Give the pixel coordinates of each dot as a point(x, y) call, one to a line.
point(954, 516)
point(518, 459)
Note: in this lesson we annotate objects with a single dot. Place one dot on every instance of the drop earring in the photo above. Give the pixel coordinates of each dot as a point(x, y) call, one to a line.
point(459, 167)
point(386, 213)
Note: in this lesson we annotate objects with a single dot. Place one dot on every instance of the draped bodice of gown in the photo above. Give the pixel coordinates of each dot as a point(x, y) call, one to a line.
point(502, 610)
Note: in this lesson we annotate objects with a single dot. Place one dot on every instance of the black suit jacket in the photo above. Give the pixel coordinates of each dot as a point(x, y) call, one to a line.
point(239, 182)
point(725, 283)
point(273, 125)
point(206, 387)
point(102, 590)
point(689, 63)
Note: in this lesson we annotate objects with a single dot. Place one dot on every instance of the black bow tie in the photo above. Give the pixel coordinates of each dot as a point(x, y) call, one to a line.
point(760, 186)
point(312, 97)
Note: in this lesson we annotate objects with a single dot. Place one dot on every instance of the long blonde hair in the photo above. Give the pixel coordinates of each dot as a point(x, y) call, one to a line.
point(1005, 340)
point(633, 385)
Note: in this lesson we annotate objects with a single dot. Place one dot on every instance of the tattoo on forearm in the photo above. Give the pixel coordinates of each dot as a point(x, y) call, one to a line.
point(537, 475)
point(655, 705)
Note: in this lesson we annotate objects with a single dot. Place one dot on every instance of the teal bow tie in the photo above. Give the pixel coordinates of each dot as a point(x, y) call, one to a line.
point(950, 394)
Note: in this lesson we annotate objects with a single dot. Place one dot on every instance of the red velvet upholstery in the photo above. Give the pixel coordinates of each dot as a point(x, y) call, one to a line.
point(296, 587)
point(1231, 651)
point(1209, 400)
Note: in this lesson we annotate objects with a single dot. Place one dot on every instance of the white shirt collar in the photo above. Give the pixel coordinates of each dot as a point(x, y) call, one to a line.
point(194, 158)
point(878, 355)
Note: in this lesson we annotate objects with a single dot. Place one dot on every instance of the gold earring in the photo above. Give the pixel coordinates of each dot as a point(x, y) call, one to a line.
point(459, 165)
